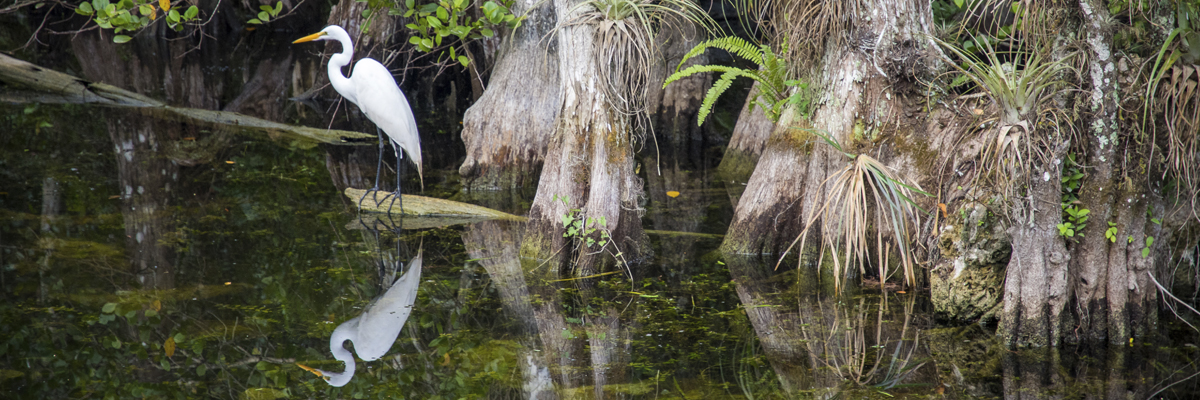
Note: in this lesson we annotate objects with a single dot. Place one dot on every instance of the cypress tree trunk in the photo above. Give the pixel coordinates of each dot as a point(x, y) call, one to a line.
point(747, 143)
point(589, 164)
point(678, 141)
point(1035, 288)
point(1115, 298)
point(859, 86)
point(507, 130)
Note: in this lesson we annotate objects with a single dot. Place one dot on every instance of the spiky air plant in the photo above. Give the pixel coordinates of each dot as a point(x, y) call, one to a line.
point(1174, 85)
point(625, 42)
point(846, 214)
point(1180, 99)
point(810, 25)
point(1020, 87)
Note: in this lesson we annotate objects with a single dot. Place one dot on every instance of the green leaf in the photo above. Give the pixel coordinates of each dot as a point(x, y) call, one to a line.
point(443, 15)
point(464, 61)
point(263, 16)
point(487, 32)
point(278, 9)
point(959, 3)
point(109, 308)
point(254, 21)
point(414, 40)
point(151, 313)
point(434, 22)
point(201, 369)
point(714, 92)
point(173, 16)
point(192, 12)
point(121, 39)
point(85, 8)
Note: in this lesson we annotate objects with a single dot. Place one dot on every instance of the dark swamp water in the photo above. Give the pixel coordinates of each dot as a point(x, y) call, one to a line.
point(147, 257)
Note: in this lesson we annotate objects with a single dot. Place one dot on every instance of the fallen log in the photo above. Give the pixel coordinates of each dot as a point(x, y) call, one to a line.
point(428, 212)
point(421, 206)
point(23, 82)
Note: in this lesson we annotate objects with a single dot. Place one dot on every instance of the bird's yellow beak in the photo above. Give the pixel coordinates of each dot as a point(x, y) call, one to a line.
point(309, 38)
point(311, 369)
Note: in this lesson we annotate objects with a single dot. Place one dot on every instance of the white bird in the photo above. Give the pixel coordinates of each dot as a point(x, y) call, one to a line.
point(376, 329)
point(372, 87)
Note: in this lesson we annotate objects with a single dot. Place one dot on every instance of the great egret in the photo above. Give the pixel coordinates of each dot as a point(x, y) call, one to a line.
point(372, 87)
point(376, 329)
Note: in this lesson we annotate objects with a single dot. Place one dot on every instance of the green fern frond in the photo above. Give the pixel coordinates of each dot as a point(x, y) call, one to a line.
point(695, 69)
point(732, 44)
point(772, 74)
point(714, 92)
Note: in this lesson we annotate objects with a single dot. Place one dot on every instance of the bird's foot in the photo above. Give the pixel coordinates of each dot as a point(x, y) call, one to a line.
point(396, 196)
point(364, 197)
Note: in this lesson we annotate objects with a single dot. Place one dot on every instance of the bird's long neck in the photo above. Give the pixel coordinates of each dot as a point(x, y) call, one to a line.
point(343, 85)
point(337, 346)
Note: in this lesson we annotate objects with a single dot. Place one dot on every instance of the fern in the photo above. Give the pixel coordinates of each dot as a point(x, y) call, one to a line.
point(771, 76)
point(695, 69)
point(714, 92)
point(732, 44)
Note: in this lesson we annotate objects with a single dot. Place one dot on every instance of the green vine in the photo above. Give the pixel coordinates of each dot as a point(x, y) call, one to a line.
point(1074, 215)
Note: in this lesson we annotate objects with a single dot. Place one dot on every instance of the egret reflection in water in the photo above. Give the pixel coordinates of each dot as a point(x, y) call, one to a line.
point(375, 330)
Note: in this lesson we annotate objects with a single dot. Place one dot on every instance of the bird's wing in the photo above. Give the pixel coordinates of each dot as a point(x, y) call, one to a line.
point(382, 101)
point(380, 324)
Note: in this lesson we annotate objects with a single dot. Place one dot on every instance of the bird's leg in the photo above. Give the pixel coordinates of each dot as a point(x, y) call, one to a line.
point(399, 173)
point(378, 168)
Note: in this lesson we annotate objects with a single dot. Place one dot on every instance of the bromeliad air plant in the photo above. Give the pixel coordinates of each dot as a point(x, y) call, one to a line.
point(625, 39)
point(845, 215)
point(1019, 87)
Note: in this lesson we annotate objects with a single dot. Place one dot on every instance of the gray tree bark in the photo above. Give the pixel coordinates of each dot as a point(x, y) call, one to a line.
point(507, 130)
point(1115, 298)
point(866, 86)
point(747, 143)
point(589, 164)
